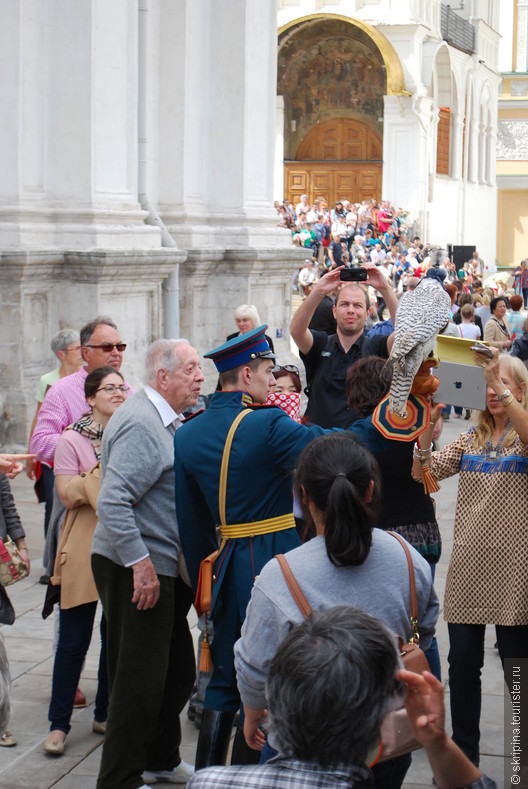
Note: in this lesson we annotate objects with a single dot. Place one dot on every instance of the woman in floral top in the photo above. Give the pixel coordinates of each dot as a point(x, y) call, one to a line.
point(487, 581)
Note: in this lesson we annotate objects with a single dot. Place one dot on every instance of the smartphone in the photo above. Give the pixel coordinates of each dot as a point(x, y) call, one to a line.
point(353, 275)
point(480, 347)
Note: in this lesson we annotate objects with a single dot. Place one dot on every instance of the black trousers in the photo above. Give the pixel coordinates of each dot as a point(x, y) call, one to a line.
point(466, 658)
point(151, 671)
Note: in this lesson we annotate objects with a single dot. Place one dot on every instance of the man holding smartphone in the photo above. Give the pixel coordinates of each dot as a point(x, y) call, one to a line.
point(328, 357)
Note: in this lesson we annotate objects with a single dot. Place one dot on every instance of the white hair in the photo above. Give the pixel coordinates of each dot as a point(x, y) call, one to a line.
point(162, 355)
point(248, 311)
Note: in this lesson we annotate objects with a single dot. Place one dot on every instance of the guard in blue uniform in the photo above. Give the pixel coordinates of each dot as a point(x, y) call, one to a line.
point(256, 521)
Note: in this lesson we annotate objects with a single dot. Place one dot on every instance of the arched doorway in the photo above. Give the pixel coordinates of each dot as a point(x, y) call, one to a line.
point(339, 159)
point(333, 73)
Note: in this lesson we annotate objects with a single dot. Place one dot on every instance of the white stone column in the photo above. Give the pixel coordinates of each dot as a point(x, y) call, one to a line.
point(433, 151)
point(23, 57)
point(279, 150)
point(217, 122)
point(521, 58)
point(70, 124)
point(491, 151)
point(482, 152)
point(456, 144)
point(407, 122)
point(473, 146)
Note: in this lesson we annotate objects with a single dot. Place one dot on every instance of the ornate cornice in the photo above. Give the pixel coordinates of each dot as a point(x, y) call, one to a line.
point(90, 266)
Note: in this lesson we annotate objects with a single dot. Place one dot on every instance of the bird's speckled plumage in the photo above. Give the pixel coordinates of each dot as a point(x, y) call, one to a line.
point(421, 314)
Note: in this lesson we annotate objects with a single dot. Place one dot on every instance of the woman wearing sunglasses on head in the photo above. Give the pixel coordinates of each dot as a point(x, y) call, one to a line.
point(77, 485)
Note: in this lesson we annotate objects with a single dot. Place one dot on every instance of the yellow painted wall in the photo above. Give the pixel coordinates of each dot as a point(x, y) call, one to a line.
point(512, 113)
point(512, 227)
point(512, 167)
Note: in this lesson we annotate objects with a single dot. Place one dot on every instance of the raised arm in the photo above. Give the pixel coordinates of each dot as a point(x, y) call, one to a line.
point(11, 465)
point(379, 281)
point(30, 464)
point(301, 320)
point(53, 417)
point(425, 707)
point(516, 413)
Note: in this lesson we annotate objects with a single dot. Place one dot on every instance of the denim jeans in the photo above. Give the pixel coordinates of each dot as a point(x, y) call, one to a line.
point(466, 658)
point(432, 654)
point(75, 634)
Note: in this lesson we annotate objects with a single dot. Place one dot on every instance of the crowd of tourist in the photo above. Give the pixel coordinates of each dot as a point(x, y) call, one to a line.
point(232, 514)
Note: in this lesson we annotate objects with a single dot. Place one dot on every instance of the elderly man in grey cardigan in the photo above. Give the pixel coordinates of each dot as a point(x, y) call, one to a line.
point(135, 565)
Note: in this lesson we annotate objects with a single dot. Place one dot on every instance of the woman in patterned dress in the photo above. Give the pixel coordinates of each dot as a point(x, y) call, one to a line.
point(487, 581)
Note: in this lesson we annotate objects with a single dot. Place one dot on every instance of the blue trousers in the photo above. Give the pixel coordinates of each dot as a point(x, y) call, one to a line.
point(222, 691)
point(432, 654)
point(466, 658)
point(75, 634)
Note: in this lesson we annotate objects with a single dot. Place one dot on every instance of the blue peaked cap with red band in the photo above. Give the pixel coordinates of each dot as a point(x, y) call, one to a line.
point(241, 349)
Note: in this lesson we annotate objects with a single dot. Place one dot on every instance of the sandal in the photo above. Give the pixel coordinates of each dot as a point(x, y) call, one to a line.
point(8, 740)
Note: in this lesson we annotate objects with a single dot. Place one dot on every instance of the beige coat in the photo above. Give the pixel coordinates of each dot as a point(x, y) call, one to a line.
point(72, 570)
point(494, 334)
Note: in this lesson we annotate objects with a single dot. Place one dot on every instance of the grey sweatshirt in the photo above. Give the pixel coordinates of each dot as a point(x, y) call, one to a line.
point(379, 586)
point(136, 506)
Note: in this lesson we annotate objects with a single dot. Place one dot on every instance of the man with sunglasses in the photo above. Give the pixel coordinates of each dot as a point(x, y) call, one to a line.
point(65, 403)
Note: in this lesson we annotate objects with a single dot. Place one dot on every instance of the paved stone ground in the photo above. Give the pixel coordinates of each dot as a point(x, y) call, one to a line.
point(29, 644)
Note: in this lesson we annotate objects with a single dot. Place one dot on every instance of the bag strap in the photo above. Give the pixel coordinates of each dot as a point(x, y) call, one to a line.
point(412, 581)
point(222, 486)
point(293, 586)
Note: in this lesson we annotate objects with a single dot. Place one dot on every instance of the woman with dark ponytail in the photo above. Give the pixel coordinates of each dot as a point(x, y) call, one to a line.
point(344, 486)
point(348, 563)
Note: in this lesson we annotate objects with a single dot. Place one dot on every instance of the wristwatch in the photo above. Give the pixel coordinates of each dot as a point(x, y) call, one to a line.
point(504, 395)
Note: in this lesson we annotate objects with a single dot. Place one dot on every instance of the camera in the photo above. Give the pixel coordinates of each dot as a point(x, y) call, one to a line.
point(354, 275)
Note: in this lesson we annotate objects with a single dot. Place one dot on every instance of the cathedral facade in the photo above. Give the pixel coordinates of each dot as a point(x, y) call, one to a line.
point(143, 143)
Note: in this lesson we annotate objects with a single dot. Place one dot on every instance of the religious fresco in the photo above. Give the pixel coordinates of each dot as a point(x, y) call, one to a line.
point(327, 70)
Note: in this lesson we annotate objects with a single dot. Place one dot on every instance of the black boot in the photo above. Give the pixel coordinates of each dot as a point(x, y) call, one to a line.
point(242, 753)
point(214, 737)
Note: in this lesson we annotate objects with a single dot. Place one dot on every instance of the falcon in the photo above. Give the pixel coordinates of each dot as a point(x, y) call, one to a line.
point(421, 314)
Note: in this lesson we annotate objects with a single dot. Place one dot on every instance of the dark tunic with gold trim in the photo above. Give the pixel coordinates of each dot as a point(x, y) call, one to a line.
point(265, 448)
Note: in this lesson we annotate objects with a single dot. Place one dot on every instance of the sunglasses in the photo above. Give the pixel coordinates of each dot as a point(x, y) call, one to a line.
point(112, 388)
point(290, 368)
point(107, 347)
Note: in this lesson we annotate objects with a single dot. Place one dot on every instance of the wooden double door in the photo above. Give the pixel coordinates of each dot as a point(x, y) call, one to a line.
point(337, 160)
